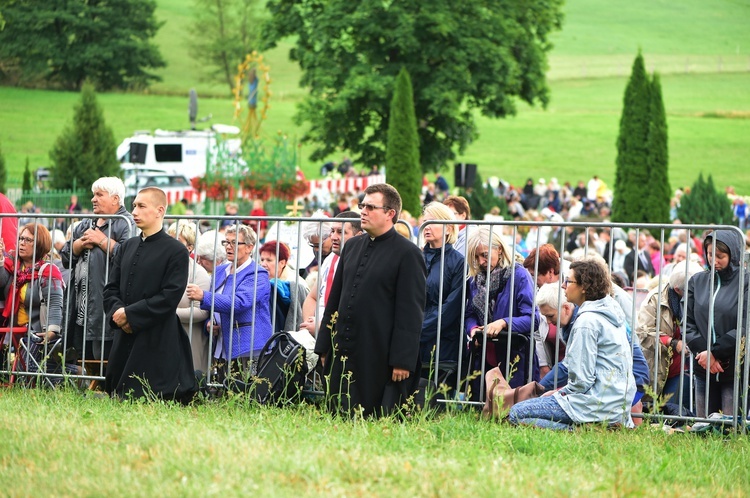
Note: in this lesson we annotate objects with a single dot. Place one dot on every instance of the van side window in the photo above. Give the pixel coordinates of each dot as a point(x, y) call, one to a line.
point(168, 152)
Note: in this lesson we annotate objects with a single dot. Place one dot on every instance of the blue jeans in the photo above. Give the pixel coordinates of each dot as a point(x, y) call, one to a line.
point(544, 412)
point(672, 390)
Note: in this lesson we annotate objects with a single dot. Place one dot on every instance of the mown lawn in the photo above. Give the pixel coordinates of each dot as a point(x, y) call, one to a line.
point(63, 444)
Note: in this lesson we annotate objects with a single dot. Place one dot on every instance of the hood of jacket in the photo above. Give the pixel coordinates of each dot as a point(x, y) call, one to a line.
point(606, 307)
point(734, 242)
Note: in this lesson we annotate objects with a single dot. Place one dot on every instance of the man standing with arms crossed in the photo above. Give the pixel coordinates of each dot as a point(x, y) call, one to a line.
point(378, 293)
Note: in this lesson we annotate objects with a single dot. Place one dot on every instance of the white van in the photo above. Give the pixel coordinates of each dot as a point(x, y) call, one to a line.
point(174, 152)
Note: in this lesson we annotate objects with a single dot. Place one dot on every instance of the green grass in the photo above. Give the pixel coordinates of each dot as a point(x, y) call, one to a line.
point(702, 50)
point(66, 445)
point(573, 139)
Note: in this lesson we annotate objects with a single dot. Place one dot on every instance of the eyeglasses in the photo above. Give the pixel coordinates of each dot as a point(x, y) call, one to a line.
point(233, 242)
point(371, 207)
point(569, 281)
point(25, 240)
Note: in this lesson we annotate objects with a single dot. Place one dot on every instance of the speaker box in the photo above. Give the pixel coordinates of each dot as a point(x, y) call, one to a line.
point(138, 152)
point(465, 174)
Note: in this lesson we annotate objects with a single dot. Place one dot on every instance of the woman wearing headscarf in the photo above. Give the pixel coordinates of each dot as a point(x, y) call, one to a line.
point(711, 321)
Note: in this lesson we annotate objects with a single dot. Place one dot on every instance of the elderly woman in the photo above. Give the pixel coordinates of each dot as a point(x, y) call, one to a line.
point(290, 290)
point(501, 300)
point(30, 284)
point(668, 304)
point(209, 251)
point(601, 386)
point(445, 266)
point(193, 318)
point(240, 300)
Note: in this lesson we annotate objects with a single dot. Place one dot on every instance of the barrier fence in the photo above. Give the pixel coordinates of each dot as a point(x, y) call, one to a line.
point(462, 377)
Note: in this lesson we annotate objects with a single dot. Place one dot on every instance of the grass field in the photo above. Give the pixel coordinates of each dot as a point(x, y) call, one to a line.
point(67, 445)
point(701, 49)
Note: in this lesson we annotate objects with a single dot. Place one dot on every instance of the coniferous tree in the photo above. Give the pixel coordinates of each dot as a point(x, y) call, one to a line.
point(632, 152)
point(482, 199)
point(704, 205)
point(3, 172)
point(402, 150)
point(656, 191)
point(86, 150)
point(26, 184)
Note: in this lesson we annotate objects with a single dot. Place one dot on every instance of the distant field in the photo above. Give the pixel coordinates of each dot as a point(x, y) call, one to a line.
point(702, 51)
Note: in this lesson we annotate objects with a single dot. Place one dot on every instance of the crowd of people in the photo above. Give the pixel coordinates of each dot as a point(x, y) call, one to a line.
point(603, 319)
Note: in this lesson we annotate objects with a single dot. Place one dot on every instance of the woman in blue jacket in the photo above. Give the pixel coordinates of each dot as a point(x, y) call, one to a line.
point(443, 306)
point(240, 300)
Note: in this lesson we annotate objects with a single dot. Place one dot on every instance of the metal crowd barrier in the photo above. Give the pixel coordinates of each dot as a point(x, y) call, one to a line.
point(290, 231)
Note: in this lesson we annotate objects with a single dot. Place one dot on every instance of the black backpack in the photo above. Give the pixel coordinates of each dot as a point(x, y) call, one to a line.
point(281, 372)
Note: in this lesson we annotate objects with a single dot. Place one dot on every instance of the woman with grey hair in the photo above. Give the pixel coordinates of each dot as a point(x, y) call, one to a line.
point(669, 303)
point(193, 318)
point(209, 251)
point(239, 299)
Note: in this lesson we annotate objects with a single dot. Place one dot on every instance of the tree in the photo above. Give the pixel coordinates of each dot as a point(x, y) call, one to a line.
point(632, 152)
point(656, 191)
point(463, 57)
point(641, 193)
point(223, 33)
point(402, 152)
point(482, 199)
point(704, 205)
point(63, 43)
point(26, 182)
point(86, 150)
point(3, 172)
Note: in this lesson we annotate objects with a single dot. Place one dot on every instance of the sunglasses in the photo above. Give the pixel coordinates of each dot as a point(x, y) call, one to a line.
point(371, 207)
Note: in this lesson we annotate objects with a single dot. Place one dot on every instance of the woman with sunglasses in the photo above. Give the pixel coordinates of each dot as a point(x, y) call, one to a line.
point(601, 386)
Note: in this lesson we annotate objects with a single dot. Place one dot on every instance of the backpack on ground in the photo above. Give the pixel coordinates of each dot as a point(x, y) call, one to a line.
point(281, 371)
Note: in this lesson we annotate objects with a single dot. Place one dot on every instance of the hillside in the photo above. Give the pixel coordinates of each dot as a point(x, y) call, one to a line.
point(702, 51)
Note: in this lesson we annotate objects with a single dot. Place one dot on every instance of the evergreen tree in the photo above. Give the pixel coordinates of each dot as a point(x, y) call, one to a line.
point(704, 205)
point(656, 191)
point(26, 185)
point(86, 150)
point(481, 199)
point(632, 152)
point(3, 172)
point(402, 150)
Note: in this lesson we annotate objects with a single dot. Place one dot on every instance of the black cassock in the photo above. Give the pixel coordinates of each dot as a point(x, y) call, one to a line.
point(148, 278)
point(379, 293)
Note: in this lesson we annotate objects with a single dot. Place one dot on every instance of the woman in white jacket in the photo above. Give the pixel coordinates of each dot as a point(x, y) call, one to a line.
point(601, 386)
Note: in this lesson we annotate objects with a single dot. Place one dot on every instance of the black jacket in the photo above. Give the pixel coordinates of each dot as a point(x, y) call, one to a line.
point(726, 285)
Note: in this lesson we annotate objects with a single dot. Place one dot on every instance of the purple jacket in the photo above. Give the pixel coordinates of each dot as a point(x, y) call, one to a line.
point(519, 315)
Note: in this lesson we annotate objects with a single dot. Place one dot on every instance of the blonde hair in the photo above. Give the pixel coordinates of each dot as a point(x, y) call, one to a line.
point(440, 211)
point(481, 236)
point(184, 229)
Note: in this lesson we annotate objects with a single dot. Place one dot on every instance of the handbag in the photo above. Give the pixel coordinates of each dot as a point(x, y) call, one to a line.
point(499, 390)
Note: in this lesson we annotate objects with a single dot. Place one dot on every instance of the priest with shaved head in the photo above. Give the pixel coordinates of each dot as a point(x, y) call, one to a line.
point(151, 353)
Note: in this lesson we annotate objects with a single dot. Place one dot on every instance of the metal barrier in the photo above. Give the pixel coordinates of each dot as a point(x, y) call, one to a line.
point(290, 231)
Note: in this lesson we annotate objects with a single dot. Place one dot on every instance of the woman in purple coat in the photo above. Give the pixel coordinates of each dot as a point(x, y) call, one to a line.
point(503, 305)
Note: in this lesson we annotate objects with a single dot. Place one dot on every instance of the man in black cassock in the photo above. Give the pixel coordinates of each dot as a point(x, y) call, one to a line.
point(379, 294)
point(151, 351)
